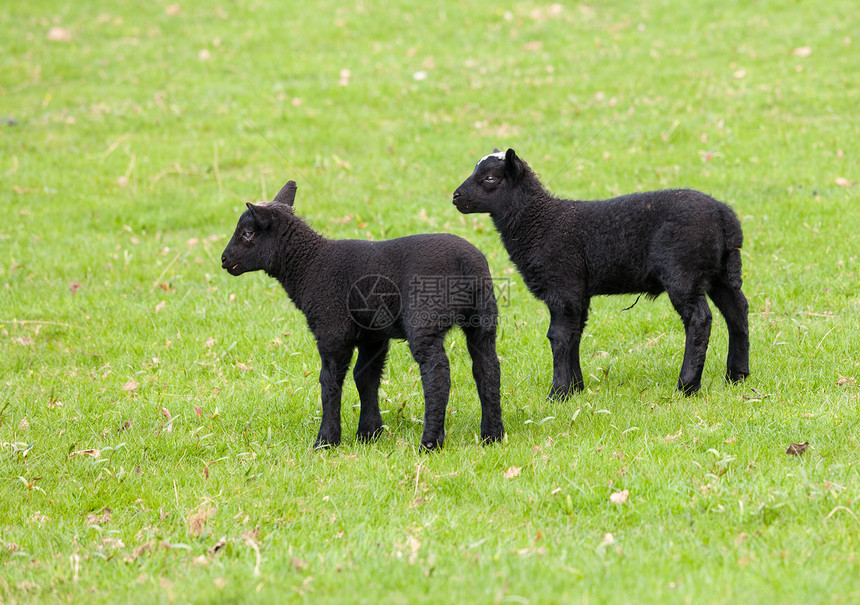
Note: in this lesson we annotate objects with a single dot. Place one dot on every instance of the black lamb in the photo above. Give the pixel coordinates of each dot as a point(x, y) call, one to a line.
point(681, 242)
point(362, 294)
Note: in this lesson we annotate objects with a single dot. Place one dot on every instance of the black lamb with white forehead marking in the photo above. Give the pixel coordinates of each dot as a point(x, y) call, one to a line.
point(357, 293)
point(681, 242)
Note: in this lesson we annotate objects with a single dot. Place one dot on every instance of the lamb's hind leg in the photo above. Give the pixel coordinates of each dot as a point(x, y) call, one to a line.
point(429, 352)
point(481, 342)
point(733, 305)
point(367, 375)
point(696, 315)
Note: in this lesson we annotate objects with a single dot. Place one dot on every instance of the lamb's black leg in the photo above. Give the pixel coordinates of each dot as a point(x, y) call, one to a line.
point(367, 374)
point(481, 342)
point(733, 305)
point(575, 368)
point(564, 335)
point(335, 363)
point(696, 316)
point(429, 352)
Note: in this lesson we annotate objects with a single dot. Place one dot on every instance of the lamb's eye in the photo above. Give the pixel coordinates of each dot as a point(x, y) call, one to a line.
point(247, 235)
point(490, 178)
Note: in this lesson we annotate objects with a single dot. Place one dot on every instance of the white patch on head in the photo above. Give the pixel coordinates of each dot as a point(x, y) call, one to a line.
point(499, 155)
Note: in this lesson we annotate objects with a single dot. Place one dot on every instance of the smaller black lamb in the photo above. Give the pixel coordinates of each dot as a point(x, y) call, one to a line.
point(681, 242)
point(353, 294)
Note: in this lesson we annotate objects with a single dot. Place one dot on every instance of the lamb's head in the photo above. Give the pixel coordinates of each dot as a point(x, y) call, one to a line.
point(253, 245)
point(489, 188)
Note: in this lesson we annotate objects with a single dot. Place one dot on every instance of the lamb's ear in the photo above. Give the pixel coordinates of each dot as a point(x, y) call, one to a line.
point(496, 150)
point(262, 215)
point(287, 194)
point(513, 164)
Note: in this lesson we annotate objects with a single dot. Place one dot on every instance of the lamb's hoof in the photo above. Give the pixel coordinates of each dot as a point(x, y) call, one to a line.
point(558, 394)
point(369, 435)
point(429, 443)
point(689, 389)
point(494, 437)
point(735, 376)
point(323, 443)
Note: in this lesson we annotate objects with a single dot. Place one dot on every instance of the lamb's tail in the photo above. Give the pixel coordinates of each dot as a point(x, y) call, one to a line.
point(734, 239)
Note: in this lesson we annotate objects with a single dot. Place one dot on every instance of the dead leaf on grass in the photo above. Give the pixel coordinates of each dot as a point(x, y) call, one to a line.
point(59, 34)
point(619, 497)
point(201, 561)
point(102, 519)
point(113, 543)
point(131, 385)
point(843, 182)
point(219, 545)
point(139, 551)
point(512, 472)
point(298, 564)
point(796, 449)
point(94, 453)
point(37, 517)
point(197, 519)
point(843, 380)
point(414, 546)
point(670, 438)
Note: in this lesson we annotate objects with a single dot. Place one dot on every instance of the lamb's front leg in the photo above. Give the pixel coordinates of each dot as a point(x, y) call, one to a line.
point(335, 363)
point(564, 334)
point(368, 374)
point(429, 352)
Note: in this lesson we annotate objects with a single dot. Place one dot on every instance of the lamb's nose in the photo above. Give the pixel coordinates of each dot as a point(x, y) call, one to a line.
point(223, 258)
point(456, 194)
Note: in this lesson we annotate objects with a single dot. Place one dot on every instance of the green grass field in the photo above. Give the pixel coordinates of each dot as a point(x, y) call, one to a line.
point(151, 404)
